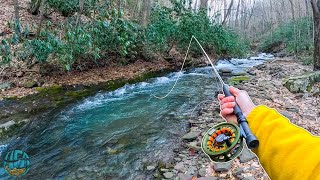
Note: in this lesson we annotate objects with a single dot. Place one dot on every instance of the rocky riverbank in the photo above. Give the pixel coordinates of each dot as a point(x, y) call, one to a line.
point(265, 84)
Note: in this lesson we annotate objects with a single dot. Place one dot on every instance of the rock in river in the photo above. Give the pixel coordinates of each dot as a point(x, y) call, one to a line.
point(225, 70)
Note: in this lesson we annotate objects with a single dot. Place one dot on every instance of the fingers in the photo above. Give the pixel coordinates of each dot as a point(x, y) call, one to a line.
point(221, 96)
point(234, 91)
point(227, 111)
point(228, 105)
point(227, 99)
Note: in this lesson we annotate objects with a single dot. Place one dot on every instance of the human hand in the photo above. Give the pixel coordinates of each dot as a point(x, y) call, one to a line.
point(228, 103)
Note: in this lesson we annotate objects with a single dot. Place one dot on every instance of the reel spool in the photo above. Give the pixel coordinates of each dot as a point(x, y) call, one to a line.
point(222, 142)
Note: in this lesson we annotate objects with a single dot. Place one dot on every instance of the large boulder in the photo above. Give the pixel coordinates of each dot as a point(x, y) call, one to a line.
point(302, 83)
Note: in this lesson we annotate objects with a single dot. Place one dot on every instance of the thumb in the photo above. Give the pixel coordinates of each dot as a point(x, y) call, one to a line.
point(234, 91)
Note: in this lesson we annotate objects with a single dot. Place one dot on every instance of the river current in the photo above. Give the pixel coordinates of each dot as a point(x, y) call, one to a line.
point(113, 135)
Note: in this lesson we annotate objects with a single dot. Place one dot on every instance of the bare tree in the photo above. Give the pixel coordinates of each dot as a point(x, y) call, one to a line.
point(237, 14)
point(145, 13)
point(42, 12)
point(203, 4)
point(228, 13)
point(316, 17)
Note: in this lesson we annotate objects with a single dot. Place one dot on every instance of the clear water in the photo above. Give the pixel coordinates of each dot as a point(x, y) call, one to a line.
point(112, 135)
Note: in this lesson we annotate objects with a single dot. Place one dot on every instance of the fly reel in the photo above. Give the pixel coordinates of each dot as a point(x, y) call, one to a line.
point(222, 142)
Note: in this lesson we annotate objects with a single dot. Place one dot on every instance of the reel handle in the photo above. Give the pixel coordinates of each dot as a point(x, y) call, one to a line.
point(251, 139)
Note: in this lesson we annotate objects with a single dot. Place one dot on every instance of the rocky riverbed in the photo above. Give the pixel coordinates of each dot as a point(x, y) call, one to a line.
point(265, 84)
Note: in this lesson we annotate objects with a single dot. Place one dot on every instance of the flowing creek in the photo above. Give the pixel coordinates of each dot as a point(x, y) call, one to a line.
point(114, 134)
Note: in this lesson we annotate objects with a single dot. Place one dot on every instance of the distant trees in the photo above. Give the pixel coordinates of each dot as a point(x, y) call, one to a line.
point(316, 17)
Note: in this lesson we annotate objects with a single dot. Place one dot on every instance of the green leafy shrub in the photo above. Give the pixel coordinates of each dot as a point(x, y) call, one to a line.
point(296, 35)
point(167, 29)
point(69, 7)
point(5, 52)
point(117, 36)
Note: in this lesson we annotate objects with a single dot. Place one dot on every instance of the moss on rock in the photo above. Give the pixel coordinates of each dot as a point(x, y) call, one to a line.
point(302, 83)
point(238, 79)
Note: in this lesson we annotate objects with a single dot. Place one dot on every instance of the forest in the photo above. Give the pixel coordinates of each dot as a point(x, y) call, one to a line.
point(75, 35)
point(128, 89)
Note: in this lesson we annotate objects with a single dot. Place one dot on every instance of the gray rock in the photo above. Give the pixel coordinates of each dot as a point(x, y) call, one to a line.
point(194, 145)
point(220, 167)
point(177, 159)
point(150, 168)
point(225, 70)
point(302, 83)
point(184, 176)
point(202, 172)
point(168, 175)
point(241, 73)
point(286, 114)
point(249, 178)
point(292, 109)
point(182, 155)
point(191, 135)
point(208, 178)
point(30, 84)
point(192, 170)
point(237, 172)
point(246, 155)
point(19, 74)
point(180, 167)
point(6, 85)
point(164, 170)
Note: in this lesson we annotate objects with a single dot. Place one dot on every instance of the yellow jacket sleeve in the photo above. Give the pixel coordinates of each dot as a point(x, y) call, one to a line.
point(286, 151)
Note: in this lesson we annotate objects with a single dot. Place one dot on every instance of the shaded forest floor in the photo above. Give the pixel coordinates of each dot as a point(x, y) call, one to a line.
point(265, 87)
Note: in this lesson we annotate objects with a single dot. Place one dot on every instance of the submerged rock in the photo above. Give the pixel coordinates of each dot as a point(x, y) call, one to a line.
point(225, 70)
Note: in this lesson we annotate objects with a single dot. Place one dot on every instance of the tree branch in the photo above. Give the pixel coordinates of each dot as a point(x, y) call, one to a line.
point(315, 8)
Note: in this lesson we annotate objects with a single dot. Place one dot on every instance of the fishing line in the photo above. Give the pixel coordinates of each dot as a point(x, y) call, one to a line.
point(184, 61)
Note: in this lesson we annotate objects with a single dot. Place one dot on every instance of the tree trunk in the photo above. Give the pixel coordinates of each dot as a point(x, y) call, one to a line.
point(145, 12)
point(42, 9)
point(16, 10)
point(203, 4)
point(237, 14)
point(228, 13)
point(316, 18)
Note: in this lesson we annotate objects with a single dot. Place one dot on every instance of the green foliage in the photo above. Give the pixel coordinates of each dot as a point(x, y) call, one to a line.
point(69, 7)
point(296, 35)
point(5, 52)
point(167, 29)
point(76, 44)
point(117, 36)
